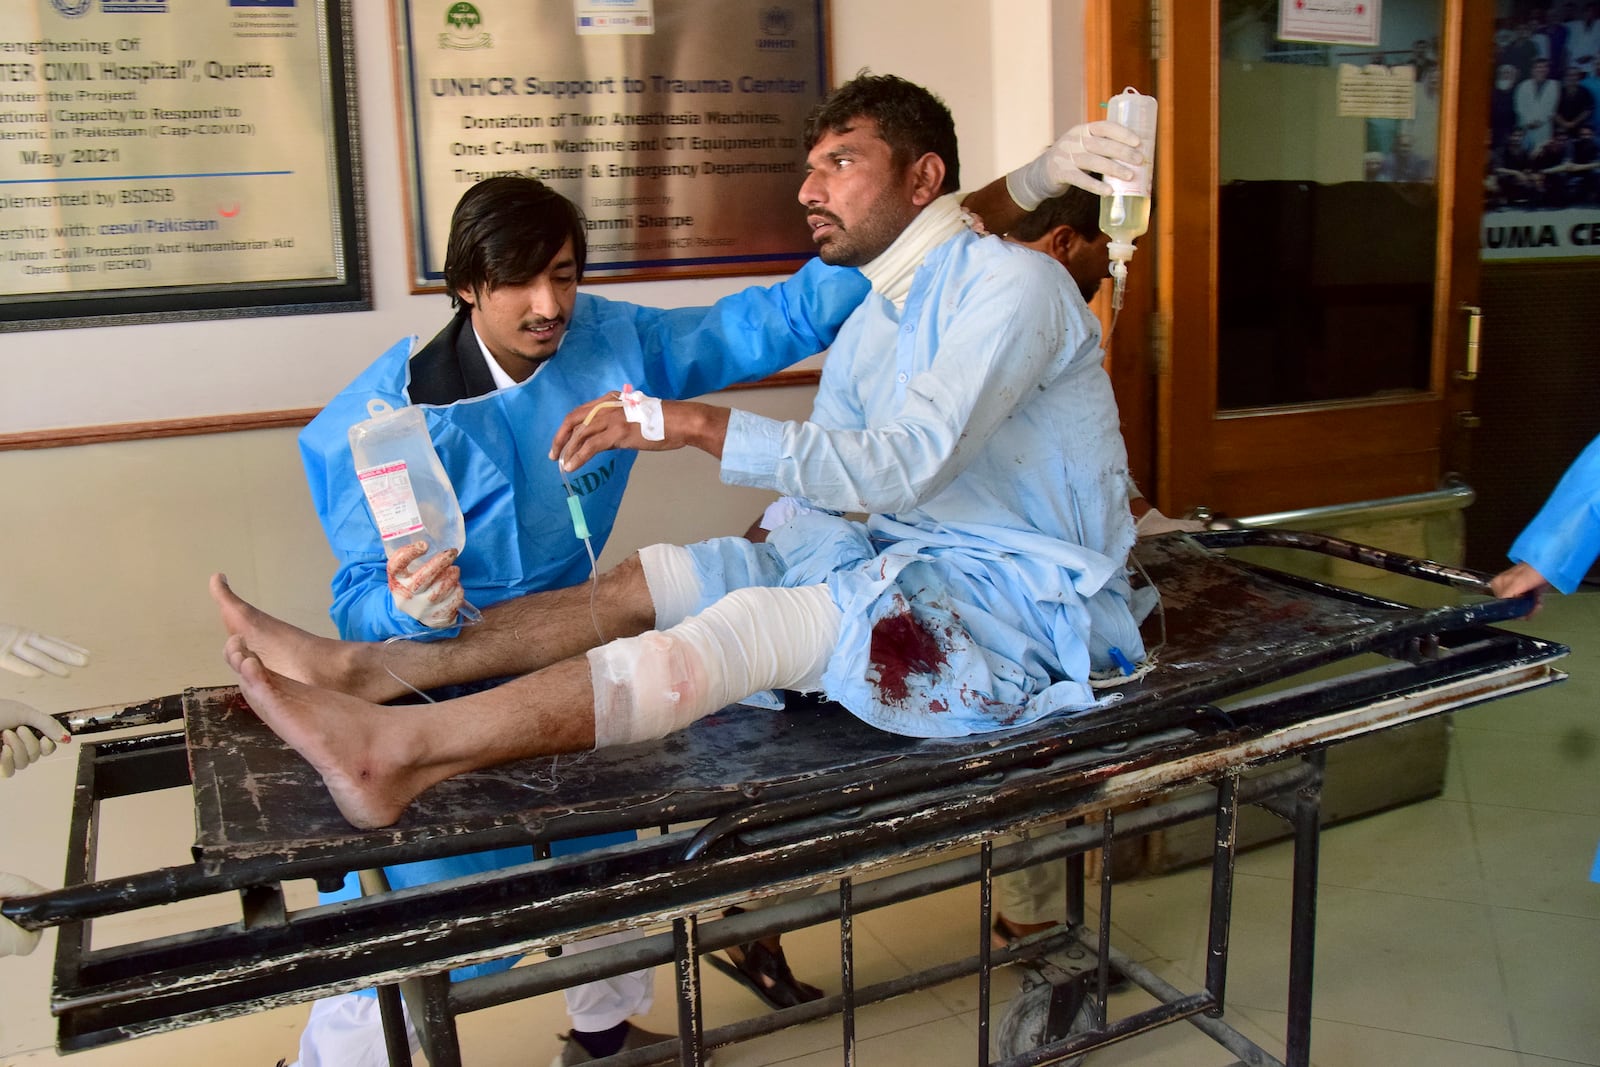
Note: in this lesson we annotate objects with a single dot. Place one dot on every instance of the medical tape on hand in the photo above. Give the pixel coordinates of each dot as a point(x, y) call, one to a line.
point(645, 411)
point(649, 686)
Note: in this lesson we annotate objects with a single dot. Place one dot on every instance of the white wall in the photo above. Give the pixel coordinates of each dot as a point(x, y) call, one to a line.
point(110, 545)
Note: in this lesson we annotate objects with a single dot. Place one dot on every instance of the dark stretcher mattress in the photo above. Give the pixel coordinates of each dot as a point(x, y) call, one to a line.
point(1229, 627)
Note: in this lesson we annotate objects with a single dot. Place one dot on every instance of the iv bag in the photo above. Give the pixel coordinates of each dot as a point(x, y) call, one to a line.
point(407, 490)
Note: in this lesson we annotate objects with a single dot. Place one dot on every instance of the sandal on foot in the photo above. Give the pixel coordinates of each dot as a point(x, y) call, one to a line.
point(765, 972)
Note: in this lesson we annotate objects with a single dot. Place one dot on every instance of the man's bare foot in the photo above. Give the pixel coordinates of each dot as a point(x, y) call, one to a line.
point(364, 753)
point(343, 666)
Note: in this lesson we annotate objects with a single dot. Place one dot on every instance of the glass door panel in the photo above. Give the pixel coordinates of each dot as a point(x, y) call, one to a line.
point(1327, 210)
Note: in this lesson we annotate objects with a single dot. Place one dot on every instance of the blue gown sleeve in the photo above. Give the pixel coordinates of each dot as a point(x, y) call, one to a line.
point(1563, 540)
point(748, 335)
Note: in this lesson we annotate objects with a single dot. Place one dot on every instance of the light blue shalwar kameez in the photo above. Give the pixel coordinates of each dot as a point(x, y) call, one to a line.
point(979, 432)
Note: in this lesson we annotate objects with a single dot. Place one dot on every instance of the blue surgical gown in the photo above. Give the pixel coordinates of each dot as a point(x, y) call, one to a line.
point(1562, 541)
point(495, 449)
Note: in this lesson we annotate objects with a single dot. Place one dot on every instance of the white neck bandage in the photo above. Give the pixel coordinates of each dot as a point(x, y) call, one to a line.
point(649, 686)
point(891, 273)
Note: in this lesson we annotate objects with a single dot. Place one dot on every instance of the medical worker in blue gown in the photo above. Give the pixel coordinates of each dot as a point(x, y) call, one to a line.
point(1561, 543)
point(523, 349)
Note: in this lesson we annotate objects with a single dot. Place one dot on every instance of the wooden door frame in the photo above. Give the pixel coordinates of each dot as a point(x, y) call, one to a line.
point(1117, 54)
point(1182, 451)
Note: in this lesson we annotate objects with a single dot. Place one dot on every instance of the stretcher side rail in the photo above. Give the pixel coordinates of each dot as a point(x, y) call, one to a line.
point(795, 827)
point(269, 965)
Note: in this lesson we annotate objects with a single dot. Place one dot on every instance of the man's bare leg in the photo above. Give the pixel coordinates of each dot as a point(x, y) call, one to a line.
point(517, 637)
point(375, 760)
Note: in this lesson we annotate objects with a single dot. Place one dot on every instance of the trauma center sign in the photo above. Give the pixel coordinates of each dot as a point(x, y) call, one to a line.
point(674, 125)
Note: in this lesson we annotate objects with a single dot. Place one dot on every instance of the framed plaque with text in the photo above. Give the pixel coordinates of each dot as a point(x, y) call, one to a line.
point(674, 125)
point(162, 160)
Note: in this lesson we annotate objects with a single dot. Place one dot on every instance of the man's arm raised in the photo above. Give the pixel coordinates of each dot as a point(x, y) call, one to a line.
point(1105, 148)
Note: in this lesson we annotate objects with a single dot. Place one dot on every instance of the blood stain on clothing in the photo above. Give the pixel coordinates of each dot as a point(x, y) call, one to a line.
point(901, 648)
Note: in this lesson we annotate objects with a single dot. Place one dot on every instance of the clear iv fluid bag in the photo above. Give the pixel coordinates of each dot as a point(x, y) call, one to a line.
point(407, 490)
point(1125, 211)
point(1124, 216)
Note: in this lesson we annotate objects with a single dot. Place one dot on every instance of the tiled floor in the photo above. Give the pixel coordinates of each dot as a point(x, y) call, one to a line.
point(1458, 932)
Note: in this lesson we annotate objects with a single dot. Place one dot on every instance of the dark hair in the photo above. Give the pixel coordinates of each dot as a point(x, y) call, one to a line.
point(912, 120)
point(505, 230)
point(1075, 208)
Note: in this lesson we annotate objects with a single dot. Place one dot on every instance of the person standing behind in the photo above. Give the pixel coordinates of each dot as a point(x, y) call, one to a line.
point(1575, 106)
point(1583, 40)
point(1536, 101)
point(1559, 547)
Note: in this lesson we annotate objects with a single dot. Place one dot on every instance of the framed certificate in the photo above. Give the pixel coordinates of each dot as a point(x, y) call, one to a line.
point(162, 160)
point(674, 125)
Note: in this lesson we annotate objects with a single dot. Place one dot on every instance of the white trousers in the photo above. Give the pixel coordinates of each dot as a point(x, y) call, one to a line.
point(1032, 895)
point(347, 1030)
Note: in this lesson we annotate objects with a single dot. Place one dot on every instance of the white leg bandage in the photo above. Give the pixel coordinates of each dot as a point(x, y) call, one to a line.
point(674, 589)
point(646, 687)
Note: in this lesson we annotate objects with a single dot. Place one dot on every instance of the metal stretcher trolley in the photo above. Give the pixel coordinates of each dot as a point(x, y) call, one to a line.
point(808, 797)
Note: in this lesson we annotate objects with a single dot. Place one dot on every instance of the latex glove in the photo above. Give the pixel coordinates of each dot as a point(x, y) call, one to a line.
point(27, 735)
point(31, 653)
point(1153, 523)
point(14, 940)
point(430, 593)
point(1103, 147)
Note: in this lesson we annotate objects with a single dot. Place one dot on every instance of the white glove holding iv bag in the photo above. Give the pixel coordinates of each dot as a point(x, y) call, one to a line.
point(1125, 210)
point(410, 497)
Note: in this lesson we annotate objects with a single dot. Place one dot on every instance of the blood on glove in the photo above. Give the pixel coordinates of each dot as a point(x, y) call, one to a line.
point(27, 735)
point(429, 592)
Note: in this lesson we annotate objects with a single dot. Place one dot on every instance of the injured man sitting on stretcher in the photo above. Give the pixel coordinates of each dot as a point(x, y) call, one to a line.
point(963, 408)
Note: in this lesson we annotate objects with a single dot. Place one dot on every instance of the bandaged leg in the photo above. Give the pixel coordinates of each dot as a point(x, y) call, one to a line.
point(674, 588)
point(648, 686)
point(685, 580)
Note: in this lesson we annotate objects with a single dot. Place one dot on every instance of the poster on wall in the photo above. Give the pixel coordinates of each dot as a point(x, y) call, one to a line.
point(1330, 21)
point(165, 160)
point(674, 125)
point(1542, 185)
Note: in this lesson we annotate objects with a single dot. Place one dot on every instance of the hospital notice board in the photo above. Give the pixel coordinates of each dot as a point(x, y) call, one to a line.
point(167, 159)
point(674, 125)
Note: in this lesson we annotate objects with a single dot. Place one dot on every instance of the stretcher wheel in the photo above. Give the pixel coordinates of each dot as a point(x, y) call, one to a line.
point(1027, 1022)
